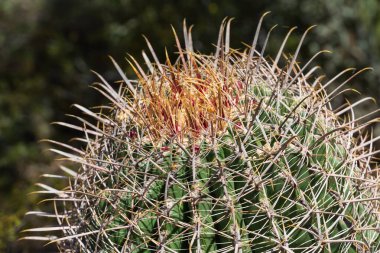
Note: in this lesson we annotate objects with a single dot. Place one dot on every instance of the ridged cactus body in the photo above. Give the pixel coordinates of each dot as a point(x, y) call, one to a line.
point(224, 153)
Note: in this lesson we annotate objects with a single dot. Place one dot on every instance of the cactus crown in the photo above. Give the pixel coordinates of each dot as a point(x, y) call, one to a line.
point(221, 153)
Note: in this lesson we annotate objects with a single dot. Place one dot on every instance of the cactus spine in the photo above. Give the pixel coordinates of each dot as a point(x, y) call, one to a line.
point(223, 153)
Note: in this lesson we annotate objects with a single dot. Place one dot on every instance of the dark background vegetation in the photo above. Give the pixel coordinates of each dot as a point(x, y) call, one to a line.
point(47, 48)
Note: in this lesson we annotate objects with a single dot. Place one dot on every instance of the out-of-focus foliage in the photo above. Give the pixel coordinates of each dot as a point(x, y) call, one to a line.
point(47, 48)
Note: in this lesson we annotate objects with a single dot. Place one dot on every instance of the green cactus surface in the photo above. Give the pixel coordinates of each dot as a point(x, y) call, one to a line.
point(230, 152)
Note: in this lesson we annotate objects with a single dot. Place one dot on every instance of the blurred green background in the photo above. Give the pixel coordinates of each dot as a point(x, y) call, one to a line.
point(47, 48)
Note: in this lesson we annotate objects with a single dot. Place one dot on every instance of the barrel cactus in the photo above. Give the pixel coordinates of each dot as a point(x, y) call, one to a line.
point(230, 152)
